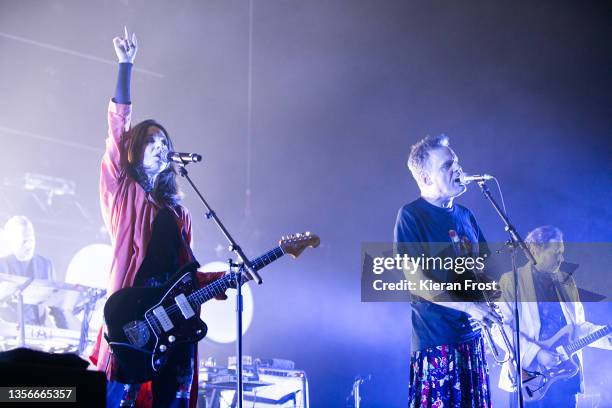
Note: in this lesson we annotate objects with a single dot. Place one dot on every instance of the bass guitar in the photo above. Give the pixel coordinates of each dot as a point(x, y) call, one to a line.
point(536, 382)
point(144, 323)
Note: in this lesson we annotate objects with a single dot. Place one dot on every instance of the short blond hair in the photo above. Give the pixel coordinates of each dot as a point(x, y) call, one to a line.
point(419, 153)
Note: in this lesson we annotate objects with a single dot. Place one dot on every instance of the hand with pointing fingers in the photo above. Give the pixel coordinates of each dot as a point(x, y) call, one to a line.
point(125, 47)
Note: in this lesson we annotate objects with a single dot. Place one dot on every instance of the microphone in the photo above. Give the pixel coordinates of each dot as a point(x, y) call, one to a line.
point(467, 179)
point(183, 158)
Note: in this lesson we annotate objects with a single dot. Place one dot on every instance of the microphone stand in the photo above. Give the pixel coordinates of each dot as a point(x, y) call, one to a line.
point(93, 294)
point(21, 311)
point(243, 268)
point(514, 242)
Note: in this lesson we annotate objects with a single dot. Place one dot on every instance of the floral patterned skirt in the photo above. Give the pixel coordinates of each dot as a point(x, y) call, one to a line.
point(454, 376)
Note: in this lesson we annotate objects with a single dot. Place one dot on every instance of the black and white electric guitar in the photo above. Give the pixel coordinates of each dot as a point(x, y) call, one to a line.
point(144, 324)
point(536, 381)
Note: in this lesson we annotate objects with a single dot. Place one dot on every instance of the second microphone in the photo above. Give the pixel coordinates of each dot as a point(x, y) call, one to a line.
point(183, 158)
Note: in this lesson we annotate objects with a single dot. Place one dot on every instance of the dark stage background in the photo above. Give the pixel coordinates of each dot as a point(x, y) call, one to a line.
point(339, 92)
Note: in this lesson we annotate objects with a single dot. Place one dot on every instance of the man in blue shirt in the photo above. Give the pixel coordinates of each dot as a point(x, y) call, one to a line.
point(448, 366)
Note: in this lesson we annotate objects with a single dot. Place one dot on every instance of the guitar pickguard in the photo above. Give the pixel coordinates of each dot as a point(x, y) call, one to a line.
point(537, 382)
point(137, 333)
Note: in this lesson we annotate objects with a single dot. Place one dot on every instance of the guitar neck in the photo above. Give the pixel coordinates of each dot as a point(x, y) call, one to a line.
point(219, 286)
point(267, 258)
point(586, 340)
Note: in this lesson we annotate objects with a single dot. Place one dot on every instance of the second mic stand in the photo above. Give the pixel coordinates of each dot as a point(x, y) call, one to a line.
point(515, 241)
point(245, 268)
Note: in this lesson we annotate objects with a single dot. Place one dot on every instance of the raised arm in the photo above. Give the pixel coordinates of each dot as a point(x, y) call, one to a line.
point(114, 161)
point(126, 50)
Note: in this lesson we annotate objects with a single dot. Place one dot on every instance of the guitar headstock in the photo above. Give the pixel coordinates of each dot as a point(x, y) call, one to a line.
point(295, 244)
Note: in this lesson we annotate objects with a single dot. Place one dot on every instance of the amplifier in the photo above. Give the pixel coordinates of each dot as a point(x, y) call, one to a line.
point(269, 388)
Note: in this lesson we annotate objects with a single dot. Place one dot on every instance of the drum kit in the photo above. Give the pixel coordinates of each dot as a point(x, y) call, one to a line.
point(70, 314)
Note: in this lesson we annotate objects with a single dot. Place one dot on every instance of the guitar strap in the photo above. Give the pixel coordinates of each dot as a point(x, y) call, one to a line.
point(188, 255)
point(561, 292)
point(187, 246)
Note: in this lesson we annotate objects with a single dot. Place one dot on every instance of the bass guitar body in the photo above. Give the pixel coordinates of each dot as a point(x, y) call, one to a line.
point(537, 380)
point(143, 324)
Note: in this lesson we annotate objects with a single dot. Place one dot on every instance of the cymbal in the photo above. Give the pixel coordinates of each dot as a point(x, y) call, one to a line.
point(9, 284)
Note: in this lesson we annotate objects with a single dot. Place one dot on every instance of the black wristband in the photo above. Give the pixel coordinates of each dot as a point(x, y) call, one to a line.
point(122, 90)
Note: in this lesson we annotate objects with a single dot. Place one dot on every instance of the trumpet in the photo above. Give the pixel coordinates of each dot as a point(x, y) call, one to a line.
point(494, 321)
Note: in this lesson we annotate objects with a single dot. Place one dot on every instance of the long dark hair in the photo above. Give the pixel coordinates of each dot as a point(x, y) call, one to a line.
point(165, 191)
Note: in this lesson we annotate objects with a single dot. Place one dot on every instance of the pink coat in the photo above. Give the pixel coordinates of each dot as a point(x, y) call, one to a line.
point(128, 213)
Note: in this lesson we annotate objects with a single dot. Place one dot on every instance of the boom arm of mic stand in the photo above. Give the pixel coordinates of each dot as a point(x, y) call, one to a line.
point(514, 236)
point(233, 245)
